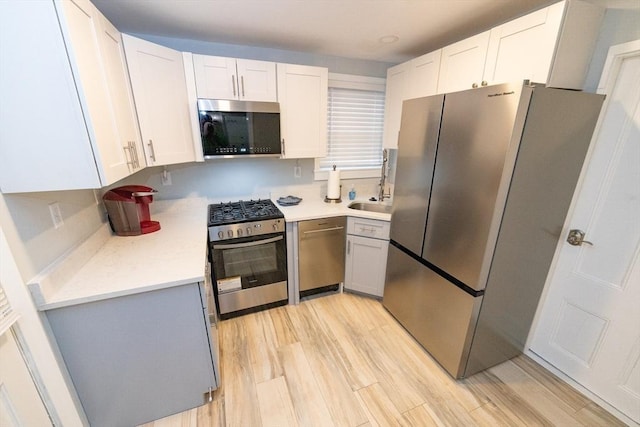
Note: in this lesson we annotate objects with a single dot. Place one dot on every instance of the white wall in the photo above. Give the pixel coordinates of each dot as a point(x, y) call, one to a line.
point(618, 26)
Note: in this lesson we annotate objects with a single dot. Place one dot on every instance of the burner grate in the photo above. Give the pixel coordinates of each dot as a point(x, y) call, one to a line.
point(241, 211)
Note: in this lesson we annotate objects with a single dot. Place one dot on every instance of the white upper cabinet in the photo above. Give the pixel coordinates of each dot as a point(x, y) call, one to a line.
point(423, 75)
point(413, 79)
point(395, 92)
point(160, 92)
point(462, 64)
point(124, 110)
point(552, 46)
point(229, 78)
point(302, 94)
point(522, 49)
point(61, 124)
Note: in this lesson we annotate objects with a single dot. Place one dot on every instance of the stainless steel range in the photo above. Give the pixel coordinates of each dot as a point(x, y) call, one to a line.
point(249, 254)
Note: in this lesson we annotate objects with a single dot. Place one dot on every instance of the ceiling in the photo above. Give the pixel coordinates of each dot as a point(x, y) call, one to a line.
point(379, 30)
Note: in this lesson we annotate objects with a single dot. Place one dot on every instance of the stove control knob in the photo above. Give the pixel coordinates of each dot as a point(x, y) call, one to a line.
point(275, 227)
point(220, 234)
point(258, 225)
point(230, 233)
point(248, 230)
point(239, 232)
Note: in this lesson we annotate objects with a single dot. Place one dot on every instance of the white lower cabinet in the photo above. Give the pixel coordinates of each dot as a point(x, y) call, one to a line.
point(366, 259)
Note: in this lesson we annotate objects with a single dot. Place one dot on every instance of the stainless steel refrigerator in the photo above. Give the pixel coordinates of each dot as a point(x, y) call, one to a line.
point(483, 183)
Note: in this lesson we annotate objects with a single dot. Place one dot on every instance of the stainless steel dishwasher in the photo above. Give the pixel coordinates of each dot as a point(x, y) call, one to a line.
point(321, 244)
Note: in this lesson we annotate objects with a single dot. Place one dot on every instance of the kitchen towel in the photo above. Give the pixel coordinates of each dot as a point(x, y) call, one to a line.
point(333, 185)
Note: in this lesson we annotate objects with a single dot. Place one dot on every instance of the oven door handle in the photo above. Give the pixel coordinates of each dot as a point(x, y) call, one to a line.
point(248, 244)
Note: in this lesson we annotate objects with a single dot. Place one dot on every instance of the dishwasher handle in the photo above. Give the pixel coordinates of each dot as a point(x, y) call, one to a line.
point(323, 230)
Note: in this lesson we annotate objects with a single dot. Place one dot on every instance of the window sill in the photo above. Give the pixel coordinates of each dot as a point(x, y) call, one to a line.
point(323, 175)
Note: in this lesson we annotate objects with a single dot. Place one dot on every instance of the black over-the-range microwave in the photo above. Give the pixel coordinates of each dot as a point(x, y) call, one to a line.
point(239, 128)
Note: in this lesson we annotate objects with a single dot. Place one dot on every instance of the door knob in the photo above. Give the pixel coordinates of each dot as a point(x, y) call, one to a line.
point(576, 238)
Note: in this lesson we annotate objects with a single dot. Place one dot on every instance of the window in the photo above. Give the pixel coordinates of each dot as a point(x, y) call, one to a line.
point(355, 116)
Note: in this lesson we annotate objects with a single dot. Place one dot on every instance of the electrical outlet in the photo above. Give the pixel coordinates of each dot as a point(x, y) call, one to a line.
point(166, 178)
point(297, 171)
point(56, 215)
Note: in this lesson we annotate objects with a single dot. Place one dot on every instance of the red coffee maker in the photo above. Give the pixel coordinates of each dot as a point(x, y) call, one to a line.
point(128, 210)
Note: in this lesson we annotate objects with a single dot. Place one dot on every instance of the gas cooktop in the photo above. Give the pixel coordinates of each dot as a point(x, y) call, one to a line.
point(243, 211)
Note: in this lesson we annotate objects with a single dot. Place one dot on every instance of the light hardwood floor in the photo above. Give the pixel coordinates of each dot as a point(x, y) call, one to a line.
point(342, 360)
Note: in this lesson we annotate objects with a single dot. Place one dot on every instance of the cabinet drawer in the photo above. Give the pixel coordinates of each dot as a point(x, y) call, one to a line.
point(368, 228)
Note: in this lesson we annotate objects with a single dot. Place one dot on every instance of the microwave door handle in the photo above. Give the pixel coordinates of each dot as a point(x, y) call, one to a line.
point(248, 244)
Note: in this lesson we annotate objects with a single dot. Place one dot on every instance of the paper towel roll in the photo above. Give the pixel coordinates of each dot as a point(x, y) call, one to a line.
point(333, 185)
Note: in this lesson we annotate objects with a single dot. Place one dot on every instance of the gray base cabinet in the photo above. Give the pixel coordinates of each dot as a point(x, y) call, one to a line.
point(366, 259)
point(137, 358)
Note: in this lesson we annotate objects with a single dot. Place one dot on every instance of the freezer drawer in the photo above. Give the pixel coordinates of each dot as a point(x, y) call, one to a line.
point(439, 315)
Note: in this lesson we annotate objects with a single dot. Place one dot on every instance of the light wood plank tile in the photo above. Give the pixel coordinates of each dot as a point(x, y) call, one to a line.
point(516, 408)
point(392, 375)
point(490, 415)
point(594, 415)
point(239, 384)
point(308, 403)
point(285, 332)
point(547, 379)
point(262, 345)
point(276, 408)
point(419, 417)
point(380, 406)
point(348, 342)
point(345, 343)
point(549, 407)
point(344, 407)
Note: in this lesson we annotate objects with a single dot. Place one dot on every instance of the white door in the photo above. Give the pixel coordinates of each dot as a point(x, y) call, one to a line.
point(589, 325)
point(20, 403)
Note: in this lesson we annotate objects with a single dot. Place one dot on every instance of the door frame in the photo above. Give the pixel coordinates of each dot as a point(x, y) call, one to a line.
point(617, 54)
point(50, 379)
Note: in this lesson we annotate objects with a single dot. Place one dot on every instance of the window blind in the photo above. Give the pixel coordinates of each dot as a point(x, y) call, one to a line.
point(355, 121)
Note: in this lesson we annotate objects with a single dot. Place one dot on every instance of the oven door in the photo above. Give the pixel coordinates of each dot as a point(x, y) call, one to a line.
point(250, 273)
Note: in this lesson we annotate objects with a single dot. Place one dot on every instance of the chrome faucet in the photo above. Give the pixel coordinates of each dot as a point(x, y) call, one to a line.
point(383, 177)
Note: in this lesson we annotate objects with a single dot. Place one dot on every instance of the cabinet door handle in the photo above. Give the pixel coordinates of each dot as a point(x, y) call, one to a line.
point(348, 247)
point(152, 153)
point(242, 85)
point(130, 164)
point(282, 145)
point(233, 85)
point(135, 153)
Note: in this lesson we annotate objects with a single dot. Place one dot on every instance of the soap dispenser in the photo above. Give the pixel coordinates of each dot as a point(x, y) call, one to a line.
point(352, 193)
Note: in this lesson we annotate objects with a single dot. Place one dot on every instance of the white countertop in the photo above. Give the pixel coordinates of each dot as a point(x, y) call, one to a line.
point(108, 266)
point(312, 208)
point(174, 255)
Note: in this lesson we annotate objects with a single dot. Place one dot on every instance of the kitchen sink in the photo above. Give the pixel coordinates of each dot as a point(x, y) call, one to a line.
point(371, 207)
